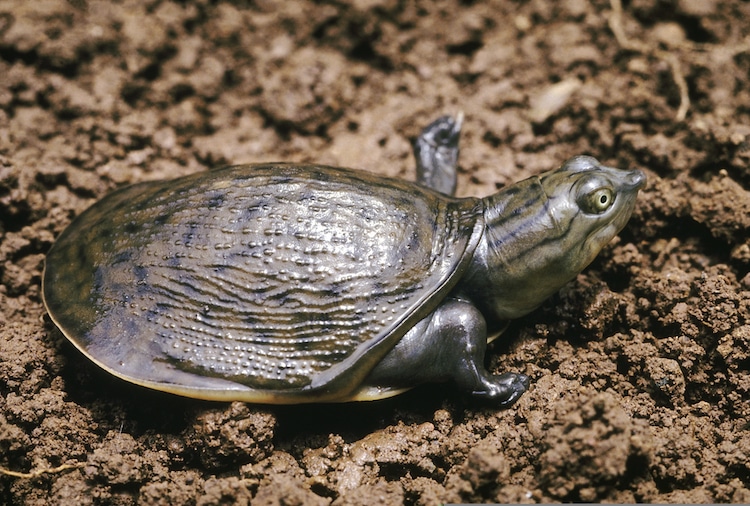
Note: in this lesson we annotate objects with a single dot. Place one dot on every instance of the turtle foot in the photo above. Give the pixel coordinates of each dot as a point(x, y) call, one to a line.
point(436, 152)
point(503, 389)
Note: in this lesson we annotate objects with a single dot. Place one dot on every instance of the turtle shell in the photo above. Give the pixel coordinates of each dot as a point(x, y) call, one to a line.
point(275, 283)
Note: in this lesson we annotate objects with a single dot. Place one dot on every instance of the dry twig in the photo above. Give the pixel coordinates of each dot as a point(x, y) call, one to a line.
point(39, 472)
point(615, 24)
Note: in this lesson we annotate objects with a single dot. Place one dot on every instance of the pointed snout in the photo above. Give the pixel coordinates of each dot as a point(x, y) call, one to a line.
point(635, 180)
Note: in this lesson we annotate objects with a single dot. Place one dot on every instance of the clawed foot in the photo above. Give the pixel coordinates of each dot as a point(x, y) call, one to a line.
point(436, 152)
point(503, 389)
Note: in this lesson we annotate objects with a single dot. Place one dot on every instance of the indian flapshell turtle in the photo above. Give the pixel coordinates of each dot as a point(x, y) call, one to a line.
point(290, 283)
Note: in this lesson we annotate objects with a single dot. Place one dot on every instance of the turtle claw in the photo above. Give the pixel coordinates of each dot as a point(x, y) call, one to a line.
point(503, 389)
point(436, 153)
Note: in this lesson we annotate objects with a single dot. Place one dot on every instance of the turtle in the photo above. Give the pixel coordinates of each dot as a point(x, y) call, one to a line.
point(286, 283)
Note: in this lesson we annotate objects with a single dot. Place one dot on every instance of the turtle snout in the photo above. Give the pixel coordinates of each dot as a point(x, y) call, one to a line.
point(635, 180)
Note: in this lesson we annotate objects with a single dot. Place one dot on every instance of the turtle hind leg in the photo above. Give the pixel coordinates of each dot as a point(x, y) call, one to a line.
point(448, 345)
point(436, 152)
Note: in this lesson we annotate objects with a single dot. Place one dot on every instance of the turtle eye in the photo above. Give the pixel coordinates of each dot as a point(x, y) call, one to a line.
point(597, 201)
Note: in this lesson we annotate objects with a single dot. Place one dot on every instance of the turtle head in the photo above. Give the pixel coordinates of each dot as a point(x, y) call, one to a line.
point(590, 203)
point(541, 232)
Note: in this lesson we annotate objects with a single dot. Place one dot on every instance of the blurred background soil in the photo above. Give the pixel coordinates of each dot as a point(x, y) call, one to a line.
point(640, 367)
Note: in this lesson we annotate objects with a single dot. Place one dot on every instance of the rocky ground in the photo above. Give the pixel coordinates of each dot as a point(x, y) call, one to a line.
point(640, 367)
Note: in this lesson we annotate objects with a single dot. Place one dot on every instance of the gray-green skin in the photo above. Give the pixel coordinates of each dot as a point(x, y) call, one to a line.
point(292, 283)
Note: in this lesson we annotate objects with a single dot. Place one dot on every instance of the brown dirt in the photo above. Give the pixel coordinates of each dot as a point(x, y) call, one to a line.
point(641, 367)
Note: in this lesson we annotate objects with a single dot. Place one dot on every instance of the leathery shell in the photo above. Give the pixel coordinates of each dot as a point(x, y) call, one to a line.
point(276, 283)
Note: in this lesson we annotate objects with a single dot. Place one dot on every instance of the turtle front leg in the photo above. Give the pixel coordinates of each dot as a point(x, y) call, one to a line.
point(448, 345)
point(436, 152)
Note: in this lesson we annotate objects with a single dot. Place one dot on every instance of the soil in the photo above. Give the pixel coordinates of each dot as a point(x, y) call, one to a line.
point(640, 367)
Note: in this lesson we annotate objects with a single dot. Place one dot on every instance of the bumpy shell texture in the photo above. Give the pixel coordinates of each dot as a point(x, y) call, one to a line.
point(267, 283)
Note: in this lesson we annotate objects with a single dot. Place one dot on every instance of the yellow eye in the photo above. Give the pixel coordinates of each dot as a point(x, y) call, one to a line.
point(597, 201)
